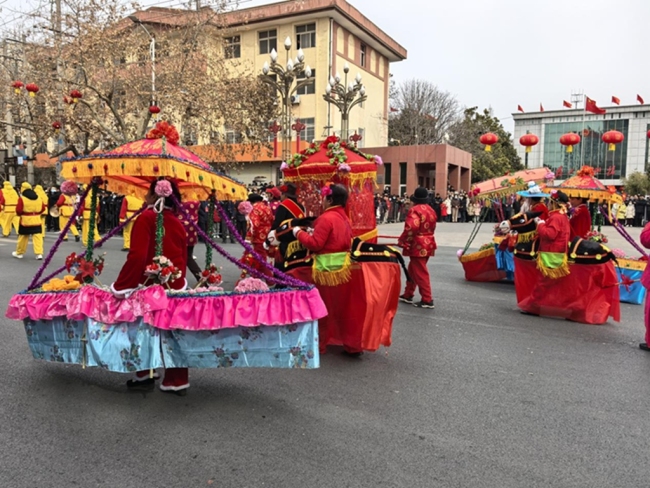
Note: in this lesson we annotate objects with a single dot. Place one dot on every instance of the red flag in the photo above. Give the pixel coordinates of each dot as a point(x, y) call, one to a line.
point(393, 109)
point(640, 100)
point(590, 106)
point(567, 104)
point(520, 108)
point(616, 100)
point(541, 107)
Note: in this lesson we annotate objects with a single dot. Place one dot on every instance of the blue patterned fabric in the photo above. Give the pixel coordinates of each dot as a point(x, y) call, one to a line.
point(505, 262)
point(634, 293)
point(137, 346)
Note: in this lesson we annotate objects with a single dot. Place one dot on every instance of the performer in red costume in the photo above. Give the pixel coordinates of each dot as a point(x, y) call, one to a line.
point(554, 238)
point(141, 255)
point(260, 221)
point(419, 244)
point(330, 241)
point(274, 199)
point(581, 219)
point(645, 281)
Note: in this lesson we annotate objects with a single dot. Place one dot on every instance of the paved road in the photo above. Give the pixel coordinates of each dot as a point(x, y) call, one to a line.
point(471, 394)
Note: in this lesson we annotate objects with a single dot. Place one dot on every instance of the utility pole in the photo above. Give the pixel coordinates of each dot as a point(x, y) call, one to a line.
point(57, 28)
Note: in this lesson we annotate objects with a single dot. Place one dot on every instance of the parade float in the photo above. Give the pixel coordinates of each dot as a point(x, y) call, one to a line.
point(584, 184)
point(76, 319)
point(494, 261)
point(372, 292)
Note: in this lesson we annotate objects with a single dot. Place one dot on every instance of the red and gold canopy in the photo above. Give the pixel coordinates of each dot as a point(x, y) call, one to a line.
point(334, 161)
point(585, 185)
point(132, 166)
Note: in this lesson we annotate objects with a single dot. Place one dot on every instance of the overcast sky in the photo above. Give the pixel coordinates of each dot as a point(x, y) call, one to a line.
point(502, 53)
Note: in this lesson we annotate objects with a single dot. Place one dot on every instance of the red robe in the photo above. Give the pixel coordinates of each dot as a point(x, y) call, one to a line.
point(541, 207)
point(332, 232)
point(261, 218)
point(142, 253)
point(580, 222)
point(554, 232)
point(417, 239)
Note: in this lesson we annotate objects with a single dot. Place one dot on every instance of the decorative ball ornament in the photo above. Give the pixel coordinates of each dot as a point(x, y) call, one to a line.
point(489, 140)
point(33, 89)
point(75, 95)
point(529, 140)
point(17, 85)
point(569, 140)
point(154, 110)
point(56, 125)
point(612, 138)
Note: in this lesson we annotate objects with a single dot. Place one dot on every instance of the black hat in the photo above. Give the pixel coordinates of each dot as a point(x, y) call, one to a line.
point(421, 195)
point(254, 198)
point(559, 197)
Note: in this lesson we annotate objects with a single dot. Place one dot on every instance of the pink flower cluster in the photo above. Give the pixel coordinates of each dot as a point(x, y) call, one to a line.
point(251, 284)
point(245, 208)
point(344, 167)
point(69, 188)
point(163, 188)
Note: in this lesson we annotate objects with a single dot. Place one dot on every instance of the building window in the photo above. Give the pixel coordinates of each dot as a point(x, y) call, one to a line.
point(387, 174)
point(591, 151)
point(268, 41)
point(309, 88)
point(306, 36)
point(362, 60)
point(309, 134)
point(402, 179)
point(232, 136)
point(232, 47)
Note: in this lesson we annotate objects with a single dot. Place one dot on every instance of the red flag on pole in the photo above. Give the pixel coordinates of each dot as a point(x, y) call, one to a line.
point(520, 108)
point(640, 100)
point(616, 100)
point(541, 107)
point(590, 106)
point(567, 104)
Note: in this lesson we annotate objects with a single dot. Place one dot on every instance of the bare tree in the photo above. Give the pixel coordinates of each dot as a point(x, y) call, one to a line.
point(95, 79)
point(421, 113)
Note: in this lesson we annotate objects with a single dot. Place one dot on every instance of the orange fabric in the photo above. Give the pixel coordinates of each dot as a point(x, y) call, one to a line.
point(382, 286)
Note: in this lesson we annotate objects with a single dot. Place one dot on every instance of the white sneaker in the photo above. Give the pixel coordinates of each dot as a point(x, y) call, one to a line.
point(39, 257)
point(16, 255)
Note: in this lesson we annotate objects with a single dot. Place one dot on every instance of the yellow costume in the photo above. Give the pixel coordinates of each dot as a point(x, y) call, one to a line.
point(85, 225)
point(130, 205)
point(66, 207)
point(8, 217)
point(29, 208)
point(43, 196)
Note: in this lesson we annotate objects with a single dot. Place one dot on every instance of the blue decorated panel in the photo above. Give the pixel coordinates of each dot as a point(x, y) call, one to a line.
point(634, 292)
point(129, 347)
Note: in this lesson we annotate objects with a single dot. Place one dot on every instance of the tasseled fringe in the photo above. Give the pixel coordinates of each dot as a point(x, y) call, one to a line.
point(353, 179)
point(554, 273)
point(294, 247)
point(333, 278)
point(527, 236)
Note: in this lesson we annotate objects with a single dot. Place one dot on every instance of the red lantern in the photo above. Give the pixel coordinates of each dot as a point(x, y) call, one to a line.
point(56, 125)
point(154, 110)
point(612, 138)
point(17, 85)
point(75, 95)
point(569, 140)
point(489, 140)
point(32, 88)
point(529, 140)
point(649, 134)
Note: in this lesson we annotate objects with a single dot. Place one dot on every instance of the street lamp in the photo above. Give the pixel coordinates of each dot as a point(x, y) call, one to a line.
point(281, 79)
point(152, 52)
point(345, 96)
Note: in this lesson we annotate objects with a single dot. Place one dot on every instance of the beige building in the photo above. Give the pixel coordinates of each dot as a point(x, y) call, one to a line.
point(331, 33)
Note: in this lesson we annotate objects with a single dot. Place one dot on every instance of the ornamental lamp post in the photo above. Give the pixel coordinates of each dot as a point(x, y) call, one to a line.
point(284, 80)
point(345, 96)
